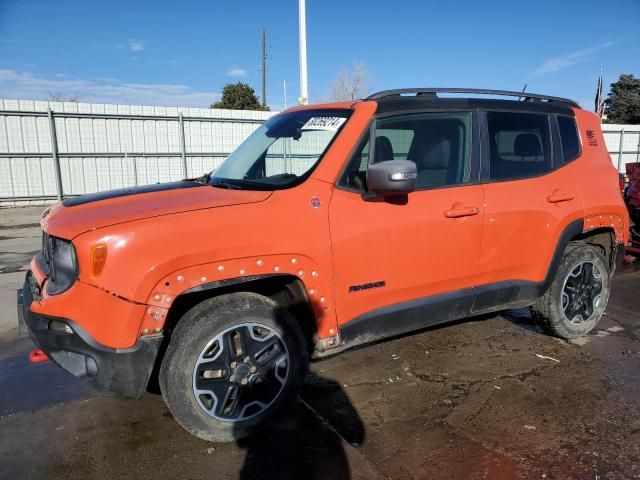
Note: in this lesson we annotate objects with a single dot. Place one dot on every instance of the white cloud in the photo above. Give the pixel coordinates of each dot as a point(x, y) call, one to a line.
point(136, 45)
point(564, 61)
point(236, 72)
point(25, 85)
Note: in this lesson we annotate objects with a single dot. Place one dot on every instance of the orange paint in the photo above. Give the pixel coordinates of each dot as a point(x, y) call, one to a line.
point(160, 245)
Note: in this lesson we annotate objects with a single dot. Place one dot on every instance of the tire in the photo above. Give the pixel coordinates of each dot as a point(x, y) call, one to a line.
point(580, 290)
point(216, 351)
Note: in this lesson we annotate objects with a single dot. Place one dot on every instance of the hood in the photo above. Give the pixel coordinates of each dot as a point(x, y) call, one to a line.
point(89, 212)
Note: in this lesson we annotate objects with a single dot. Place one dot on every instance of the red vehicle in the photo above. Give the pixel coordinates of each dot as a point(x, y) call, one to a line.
point(632, 192)
point(330, 226)
point(632, 199)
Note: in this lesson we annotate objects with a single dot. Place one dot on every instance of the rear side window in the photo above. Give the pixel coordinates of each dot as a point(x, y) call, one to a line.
point(519, 145)
point(569, 138)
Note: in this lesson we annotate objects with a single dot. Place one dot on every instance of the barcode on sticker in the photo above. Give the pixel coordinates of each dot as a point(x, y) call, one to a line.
point(324, 123)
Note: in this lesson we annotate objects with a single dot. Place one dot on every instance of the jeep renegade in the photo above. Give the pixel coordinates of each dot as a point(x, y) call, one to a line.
point(330, 226)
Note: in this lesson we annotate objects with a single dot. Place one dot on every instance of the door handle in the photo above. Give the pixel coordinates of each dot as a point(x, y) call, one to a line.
point(560, 197)
point(461, 212)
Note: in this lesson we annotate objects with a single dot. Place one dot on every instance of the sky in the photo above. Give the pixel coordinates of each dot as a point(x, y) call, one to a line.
point(157, 52)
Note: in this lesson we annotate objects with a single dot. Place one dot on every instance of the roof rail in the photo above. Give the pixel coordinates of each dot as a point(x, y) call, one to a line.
point(475, 91)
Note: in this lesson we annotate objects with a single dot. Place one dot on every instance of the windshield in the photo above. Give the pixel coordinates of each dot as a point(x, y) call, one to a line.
point(282, 152)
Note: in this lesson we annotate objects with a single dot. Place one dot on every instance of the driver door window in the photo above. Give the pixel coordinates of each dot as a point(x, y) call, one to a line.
point(438, 143)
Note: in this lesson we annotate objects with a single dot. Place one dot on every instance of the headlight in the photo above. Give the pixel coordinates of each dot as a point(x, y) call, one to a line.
point(63, 266)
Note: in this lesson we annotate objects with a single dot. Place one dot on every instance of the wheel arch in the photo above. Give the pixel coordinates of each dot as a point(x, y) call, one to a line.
point(580, 230)
point(604, 238)
point(288, 291)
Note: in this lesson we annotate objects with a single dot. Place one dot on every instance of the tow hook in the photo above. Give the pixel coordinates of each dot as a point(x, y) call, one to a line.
point(37, 356)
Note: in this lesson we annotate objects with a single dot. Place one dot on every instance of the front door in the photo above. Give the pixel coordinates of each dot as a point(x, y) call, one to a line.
point(403, 263)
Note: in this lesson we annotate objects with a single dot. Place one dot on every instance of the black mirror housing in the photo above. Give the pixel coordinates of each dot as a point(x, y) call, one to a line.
point(392, 177)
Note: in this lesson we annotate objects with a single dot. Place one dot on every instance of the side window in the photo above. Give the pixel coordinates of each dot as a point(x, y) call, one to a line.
point(569, 138)
point(519, 145)
point(354, 176)
point(438, 143)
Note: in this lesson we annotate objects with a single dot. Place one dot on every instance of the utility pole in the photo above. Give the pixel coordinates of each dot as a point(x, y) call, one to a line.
point(302, 32)
point(264, 68)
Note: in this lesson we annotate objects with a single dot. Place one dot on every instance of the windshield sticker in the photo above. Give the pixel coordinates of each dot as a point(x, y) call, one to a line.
point(330, 124)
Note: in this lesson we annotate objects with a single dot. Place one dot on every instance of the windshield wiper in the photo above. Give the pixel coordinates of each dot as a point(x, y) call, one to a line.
point(230, 186)
point(201, 179)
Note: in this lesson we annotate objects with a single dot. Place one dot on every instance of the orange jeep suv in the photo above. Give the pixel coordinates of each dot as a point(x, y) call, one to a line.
point(330, 226)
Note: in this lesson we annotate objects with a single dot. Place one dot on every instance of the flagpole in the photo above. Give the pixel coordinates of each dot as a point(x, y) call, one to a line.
point(302, 33)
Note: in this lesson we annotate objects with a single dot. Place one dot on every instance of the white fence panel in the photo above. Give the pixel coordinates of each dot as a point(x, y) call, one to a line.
point(623, 143)
point(100, 147)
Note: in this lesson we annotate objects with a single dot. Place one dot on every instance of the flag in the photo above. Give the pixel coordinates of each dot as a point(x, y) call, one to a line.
point(599, 98)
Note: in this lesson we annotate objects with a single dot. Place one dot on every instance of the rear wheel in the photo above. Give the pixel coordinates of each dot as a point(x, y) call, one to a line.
point(233, 361)
point(576, 299)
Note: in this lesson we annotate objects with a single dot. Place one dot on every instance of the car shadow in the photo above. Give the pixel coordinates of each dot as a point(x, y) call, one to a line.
point(302, 443)
point(522, 317)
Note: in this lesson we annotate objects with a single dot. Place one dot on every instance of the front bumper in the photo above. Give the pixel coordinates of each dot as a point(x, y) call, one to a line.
point(122, 372)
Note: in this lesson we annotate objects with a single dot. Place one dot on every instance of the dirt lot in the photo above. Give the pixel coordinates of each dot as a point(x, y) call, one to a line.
point(488, 398)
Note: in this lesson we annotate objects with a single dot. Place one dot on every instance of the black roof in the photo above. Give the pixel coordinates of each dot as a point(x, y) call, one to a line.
point(427, 98)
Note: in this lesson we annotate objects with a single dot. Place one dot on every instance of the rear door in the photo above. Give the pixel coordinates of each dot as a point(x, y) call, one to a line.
point(530, 198)
point(397, 260)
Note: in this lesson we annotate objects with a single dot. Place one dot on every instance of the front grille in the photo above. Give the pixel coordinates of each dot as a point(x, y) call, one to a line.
point(46, 256)
point(33, 287)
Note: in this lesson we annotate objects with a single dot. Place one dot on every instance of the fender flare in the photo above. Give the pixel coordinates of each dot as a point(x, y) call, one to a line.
point(571, 231)
point(317, 284)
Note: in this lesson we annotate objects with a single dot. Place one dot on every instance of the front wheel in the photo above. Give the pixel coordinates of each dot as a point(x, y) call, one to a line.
point(233, 361)
point(576, 299)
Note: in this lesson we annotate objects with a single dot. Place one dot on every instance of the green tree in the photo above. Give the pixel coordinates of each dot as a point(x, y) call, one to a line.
point(239, 96)
point(623, 102)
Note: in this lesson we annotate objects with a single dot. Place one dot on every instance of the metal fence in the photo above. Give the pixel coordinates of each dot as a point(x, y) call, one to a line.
point(623, 143)
point(53, 149)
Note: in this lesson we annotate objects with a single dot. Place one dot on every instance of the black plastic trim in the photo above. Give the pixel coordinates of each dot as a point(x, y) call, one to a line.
point(433, 91)
point(399, 104)
point(557, 159)
point(500, 295)
point(571, 231)
point(233, 281)
point(620, 252)
point(407, 316)
point(123, 372)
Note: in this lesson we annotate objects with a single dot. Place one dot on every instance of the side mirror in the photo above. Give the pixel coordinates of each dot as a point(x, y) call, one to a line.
point(392, 177)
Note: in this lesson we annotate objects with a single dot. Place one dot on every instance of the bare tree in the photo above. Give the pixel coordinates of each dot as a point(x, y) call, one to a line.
point(350, 85)
point(62, 97)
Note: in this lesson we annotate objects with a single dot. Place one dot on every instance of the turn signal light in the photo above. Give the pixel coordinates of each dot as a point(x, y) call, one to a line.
point(98, 259)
